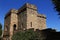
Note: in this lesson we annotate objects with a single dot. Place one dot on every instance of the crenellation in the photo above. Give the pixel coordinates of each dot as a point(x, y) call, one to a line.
point(14, 11)
point(31, 6)
point(41, 15)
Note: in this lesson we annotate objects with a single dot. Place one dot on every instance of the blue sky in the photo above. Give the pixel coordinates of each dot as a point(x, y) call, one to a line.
point(44, 7)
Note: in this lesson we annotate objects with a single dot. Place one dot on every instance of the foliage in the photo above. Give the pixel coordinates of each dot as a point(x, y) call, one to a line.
point(0, 26)
point(24, 35)
point(57, 5)
point(0, 29)
point(27, 35)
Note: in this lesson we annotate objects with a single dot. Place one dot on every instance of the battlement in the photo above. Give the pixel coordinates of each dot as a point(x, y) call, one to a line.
point(14, 11)
point(11, 11)
point(41, 16)
point(27, 5)
point(31, 6)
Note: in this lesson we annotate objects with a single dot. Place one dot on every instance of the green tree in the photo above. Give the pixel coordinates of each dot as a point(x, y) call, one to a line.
point(0, 29)
point(24, 35)
point(57, 5)
point(28, 35)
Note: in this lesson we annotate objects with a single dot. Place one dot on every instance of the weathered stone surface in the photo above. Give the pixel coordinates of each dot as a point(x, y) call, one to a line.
point(25, 18)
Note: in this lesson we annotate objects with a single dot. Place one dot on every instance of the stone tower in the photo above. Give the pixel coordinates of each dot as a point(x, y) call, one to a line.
point(11, 21)
point(30, 18)
point(25, 17)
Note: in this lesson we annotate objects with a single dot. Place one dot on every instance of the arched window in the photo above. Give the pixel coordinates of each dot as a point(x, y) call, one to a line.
point(14, 27)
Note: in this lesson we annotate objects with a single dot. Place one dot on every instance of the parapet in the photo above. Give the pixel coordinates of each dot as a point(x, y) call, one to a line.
point(41, 16)
point(14, 11)
point(27, 5)
point(31, 6)
point(11, 11)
